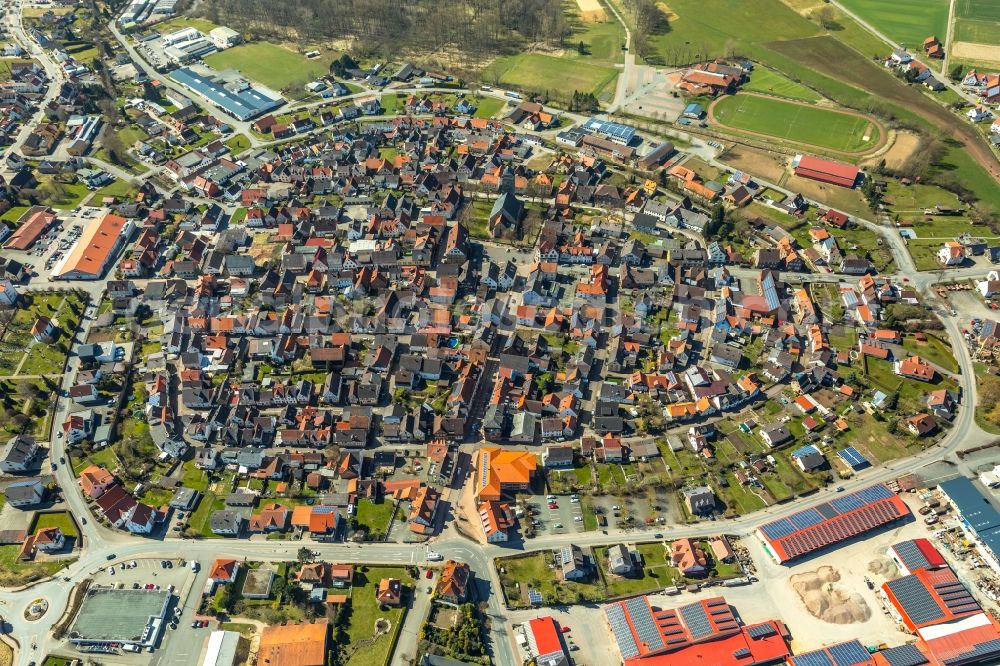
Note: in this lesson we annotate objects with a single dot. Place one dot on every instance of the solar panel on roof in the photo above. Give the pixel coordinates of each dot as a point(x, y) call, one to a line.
point(621, 630)
point(904, 655)
point(826, 510)
point(760, 631)
point(717, 602)
point(977, 653)
point(817, 658)
point(915, 599)
point(849, 654)
point(742, 653)
point(805, 519)
point(853, 457)
point(696, 620)
point(911, 555)
point(642, 621)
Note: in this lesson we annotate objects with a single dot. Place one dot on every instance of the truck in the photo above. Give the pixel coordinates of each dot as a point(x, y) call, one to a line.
point(434, 557)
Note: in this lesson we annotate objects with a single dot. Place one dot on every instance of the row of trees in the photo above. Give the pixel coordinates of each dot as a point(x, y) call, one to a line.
point(387, 27)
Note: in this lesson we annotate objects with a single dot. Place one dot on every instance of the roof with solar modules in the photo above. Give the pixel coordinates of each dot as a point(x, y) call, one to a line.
point(916, 554)
point(704, 631)
point(831, 522)
point(907, 654)
point(851, 653)
point(926, 598)
point(971, 640)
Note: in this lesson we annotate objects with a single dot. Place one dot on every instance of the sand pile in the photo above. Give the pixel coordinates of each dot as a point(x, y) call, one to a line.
point(827, 601)
point(881, 567)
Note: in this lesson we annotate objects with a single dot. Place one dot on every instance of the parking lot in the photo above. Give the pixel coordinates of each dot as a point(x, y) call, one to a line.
point(170, 575)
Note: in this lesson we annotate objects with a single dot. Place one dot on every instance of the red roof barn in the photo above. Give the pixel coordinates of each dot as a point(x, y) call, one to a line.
point(827, 171)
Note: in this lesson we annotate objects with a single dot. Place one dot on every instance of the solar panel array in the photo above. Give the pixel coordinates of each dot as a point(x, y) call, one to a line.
point(642, 620)
point(817, 658)
point(916, 600)
point(535, 597)
point(853, 457)
point(839, 519)
point(911, 555)
point(621, 630)
point(696, 620)
point(849, 653)
point(956, 597)
point(904, 655)
point(979, 652)
point(759, 631)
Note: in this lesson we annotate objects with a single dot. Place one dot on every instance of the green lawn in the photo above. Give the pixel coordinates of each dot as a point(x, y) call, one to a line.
point(487, 106)
point(920, 19)
point(655, 573)
point(69, 195)
point(271, 65)
point(120, 188)
point(924, 253)
point(194, 477)
point(373, 516)
point(602, 40)
point(14, 572)
point(5, 64)
point(185, 22)
point(14, 213)
point(558, 77)
point(797, 122)
point(60, 519)
point(364, 611)
point(769, 82)
point(237, 143)
point(935, 350)
point(534, 572)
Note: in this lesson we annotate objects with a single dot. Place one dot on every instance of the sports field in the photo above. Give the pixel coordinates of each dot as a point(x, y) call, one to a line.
point(539, 73)
point(271, 65)
point(910, 26)
point(769, 82)
point(796, 122)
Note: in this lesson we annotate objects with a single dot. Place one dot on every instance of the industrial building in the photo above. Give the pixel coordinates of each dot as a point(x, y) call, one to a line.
point(95, 250)
point(701, 632)
point(831, 522)
point(616, 132)
point(932, 603)
point(30, 226)
point(826, 171)
point(850, 653)
point(979, 517)
point(123, 617)
point(238, 97)
point(221, 649)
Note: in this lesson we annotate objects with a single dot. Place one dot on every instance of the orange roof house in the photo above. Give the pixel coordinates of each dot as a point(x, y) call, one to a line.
point(272, 517)
point(688, 557)
point(454, 580)
point(95, 480)
point(223, 571)
point(915, 367)
point(294, 644)
point(499, 471)
point(317, 573)
point(423, 510)
point(389, 592)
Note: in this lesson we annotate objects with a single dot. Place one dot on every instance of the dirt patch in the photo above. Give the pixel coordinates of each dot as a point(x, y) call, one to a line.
point(591, 11)
point(973, 51)
point(881, 567)
point(827, 601)
point(446, 618)
point(758, 162)
point(897, 154)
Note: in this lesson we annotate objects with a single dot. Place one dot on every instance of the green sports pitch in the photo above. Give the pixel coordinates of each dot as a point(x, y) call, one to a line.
point(797, 122)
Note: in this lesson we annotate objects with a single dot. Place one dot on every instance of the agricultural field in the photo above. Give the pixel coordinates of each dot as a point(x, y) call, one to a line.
point(273, 66)
point(920, 19)
point(977, 21)
point(534, 72)
point(602, 40)
point(768, 82)
point(797, 122)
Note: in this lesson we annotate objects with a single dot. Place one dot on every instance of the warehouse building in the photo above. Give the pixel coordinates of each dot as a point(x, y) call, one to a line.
point(238, 97)
point(826, 171)
point(95, 250)
point(979, 517)
point(831, 522)
point(701, 632)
